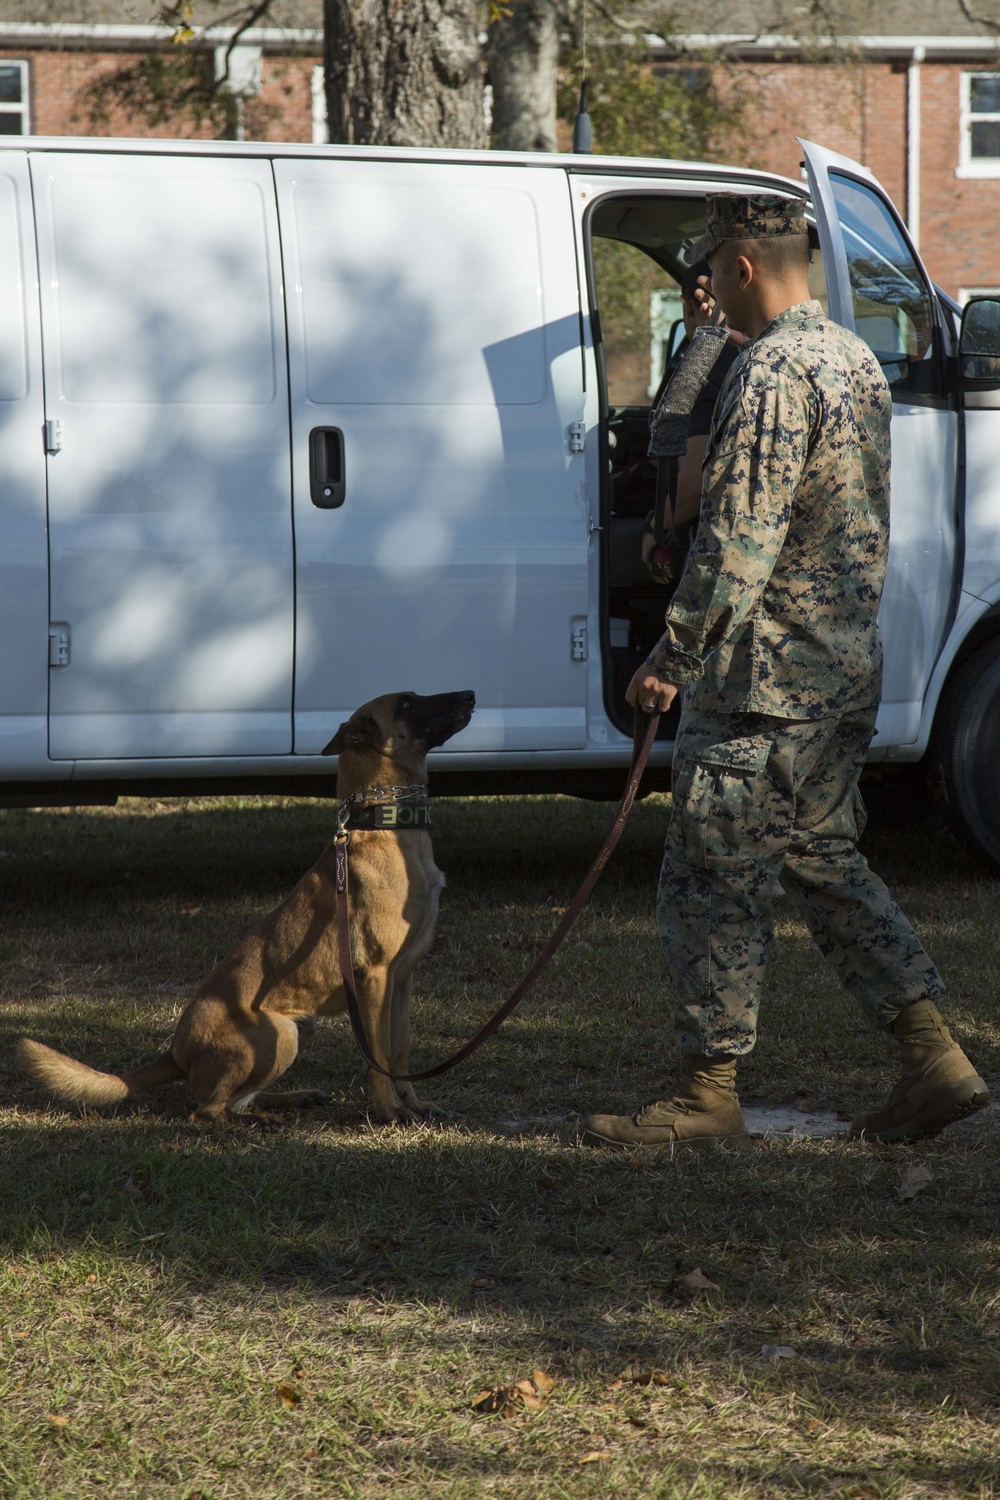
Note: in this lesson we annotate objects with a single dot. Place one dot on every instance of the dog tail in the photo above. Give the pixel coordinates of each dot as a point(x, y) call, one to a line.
point(78, 1084)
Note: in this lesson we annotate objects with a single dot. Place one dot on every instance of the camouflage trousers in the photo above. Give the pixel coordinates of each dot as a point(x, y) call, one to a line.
point(756, 797)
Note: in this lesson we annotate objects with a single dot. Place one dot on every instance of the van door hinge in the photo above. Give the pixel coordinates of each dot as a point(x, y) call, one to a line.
point(578, 643)
point(53, 435)
point(577, 436)
point(59, 645)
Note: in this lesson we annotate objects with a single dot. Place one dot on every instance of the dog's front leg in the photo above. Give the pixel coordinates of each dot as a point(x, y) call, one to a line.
point(402, 992)
point(375, 989)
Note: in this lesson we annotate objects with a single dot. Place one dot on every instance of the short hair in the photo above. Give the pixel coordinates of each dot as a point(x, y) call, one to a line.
point(777, 255)
point(689, 279)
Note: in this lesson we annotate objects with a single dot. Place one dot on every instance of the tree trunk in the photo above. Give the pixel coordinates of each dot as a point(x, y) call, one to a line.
point(523, 51)
point(404, 73)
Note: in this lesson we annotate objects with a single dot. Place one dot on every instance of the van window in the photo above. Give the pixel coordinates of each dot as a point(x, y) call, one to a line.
point(162, 285)
point(640, 308)
point(425, 295)
point(893, 306)
point(13, 374)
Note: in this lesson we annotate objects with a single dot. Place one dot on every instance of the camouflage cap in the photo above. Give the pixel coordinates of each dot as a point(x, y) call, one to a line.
point(747, 216)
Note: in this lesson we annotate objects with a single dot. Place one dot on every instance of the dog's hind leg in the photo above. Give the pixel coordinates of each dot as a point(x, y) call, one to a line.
point(402, 992)
point(227, 1081)
point(297, 1098)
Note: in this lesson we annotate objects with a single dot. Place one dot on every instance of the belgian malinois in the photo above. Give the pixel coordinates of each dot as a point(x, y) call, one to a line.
point(244, 1026)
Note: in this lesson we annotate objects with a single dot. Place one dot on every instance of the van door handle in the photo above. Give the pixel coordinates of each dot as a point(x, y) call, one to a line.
point(327, 484)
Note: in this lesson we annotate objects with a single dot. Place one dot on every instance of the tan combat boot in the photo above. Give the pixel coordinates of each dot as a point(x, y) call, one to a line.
point(939, 1084)
point(705, 1112)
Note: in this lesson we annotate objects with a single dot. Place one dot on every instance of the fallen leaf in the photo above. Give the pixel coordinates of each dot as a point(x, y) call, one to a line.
point(192, 911)
point(813, 1425)
point(915, 1179)
point(641, 1375)
point(19, 1335)
point(595, 1456)
point(548, 1183)
point(777, 1351)
point(529, 1396)
point(311, 1453)
point(91, 1279)
point(697, 1281)
point(806, 1103)
point(58, 1421)
point(287, 1394)
point(493, 1399)
point(483, 1283)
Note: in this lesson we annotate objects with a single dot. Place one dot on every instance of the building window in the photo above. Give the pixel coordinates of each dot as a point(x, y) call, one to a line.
point(13, 98)
point(979, 154)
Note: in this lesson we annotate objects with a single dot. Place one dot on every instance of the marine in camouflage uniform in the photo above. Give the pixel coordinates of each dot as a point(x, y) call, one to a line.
point(773, 633)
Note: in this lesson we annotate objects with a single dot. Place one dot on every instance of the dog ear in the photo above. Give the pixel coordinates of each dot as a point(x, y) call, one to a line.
point(355, 733)
point(337, 743)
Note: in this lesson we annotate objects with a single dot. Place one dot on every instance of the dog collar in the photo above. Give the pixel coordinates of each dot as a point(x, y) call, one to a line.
point(385, 807)
point(395, 815)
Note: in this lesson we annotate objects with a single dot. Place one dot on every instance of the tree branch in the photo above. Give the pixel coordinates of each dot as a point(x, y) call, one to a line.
point(975, 20)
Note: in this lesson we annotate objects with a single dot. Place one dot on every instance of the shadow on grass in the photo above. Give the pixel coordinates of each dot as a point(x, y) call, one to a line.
point(810, 1246)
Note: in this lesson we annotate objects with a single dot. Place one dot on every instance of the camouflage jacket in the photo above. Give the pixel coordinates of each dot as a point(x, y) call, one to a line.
point(776, 610)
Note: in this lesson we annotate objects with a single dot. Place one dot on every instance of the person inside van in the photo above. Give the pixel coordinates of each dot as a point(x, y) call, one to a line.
point(661, 560)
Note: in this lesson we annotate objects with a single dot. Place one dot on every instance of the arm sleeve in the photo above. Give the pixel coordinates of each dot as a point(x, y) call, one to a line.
point(751, 474)
point(700, 421)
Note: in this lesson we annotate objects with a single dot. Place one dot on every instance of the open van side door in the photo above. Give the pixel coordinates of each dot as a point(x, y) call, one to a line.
point(877, 287)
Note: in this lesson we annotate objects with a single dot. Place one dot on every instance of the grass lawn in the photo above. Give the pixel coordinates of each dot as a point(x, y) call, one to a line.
point(313, 1312)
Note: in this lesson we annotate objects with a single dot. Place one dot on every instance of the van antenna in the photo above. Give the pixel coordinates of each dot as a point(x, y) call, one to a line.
point(583, 137)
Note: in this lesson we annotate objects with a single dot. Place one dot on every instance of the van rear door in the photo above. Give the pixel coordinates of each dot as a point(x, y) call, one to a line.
point(878, 288)
point(441, 527)
point(170, 538)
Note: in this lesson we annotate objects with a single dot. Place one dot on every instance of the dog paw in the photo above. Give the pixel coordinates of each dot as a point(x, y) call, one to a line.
point(426, 1109)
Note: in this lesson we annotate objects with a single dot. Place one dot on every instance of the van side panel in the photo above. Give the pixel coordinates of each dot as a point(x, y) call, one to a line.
point(169, 495)
point(23, 560)
point(434, 323)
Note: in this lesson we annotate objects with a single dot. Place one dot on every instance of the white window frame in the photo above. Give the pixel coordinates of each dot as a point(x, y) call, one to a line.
point(966, 293)
point(969, 165)
point(24, 108)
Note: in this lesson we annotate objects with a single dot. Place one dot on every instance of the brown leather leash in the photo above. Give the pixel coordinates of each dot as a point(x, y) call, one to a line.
point(642, 744)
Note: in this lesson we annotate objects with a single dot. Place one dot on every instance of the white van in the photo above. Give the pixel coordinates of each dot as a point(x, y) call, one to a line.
point(283, 427)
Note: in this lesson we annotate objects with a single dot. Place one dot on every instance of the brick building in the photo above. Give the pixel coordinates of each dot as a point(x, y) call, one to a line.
point(910, 87)
point(53, 52)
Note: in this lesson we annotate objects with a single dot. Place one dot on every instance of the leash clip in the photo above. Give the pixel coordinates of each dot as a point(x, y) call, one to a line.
point(343, 814)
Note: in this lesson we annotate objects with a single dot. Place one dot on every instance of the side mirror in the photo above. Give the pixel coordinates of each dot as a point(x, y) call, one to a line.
point(979, 343)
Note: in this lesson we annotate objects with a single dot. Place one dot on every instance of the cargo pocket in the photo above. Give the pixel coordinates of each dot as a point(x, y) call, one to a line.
point(717, 803)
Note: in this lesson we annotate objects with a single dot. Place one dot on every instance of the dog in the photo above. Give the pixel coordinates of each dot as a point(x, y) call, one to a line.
point(247, 1020)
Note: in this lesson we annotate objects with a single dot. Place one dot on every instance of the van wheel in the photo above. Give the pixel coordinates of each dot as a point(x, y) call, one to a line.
point(965, 753)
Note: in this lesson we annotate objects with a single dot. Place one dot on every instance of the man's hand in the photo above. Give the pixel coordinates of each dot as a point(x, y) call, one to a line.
point(705, 311)
point(650, 693)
